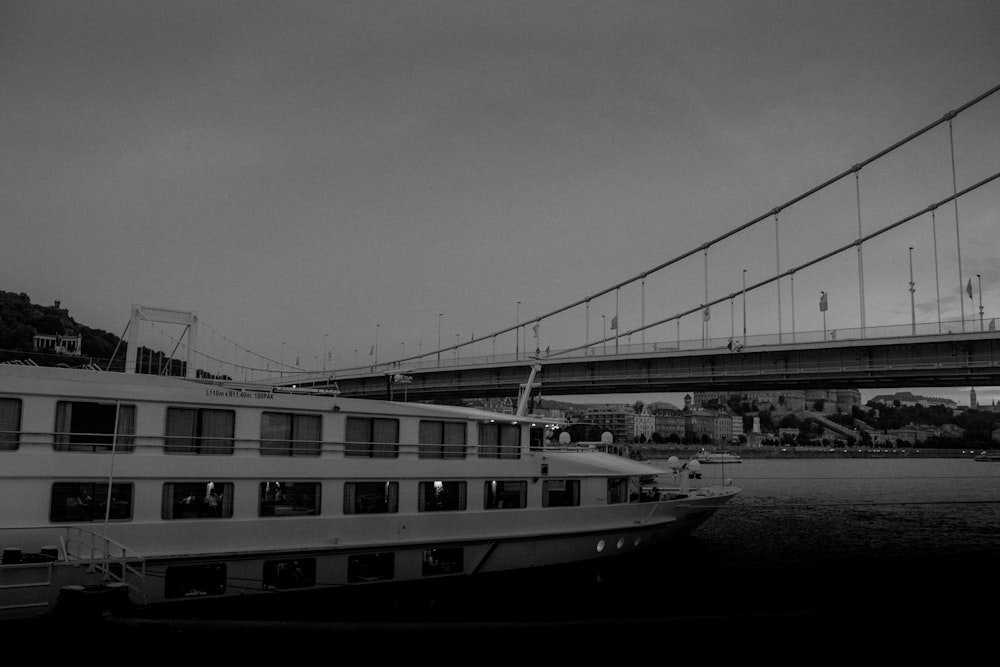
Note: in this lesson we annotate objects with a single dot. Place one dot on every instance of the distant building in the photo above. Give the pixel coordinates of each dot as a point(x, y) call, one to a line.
point(908, 399)
point(58, 344)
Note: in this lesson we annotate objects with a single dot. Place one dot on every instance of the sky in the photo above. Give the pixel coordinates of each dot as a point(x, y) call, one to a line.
point(314, 179)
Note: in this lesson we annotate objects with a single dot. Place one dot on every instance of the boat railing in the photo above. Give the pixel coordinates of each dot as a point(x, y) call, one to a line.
point(112, 560)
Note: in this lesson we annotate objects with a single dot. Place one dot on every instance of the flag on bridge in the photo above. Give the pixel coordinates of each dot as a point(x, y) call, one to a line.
point(535, 329)
point(822, 301)
point(614, 322)
point(371, 351)
point(708, 314)
point(968, 288)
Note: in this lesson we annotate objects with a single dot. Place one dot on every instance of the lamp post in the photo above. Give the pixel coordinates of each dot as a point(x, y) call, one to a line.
point(913, 311)
point(440, 315)
point(517, 331)
point(604, 343)
point(376, 343)
point(980, 279)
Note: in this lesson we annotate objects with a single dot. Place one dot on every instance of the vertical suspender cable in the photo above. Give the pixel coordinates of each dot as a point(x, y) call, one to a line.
point(861, 263)
point(777, 257)
point(937, 282)
point(958, 240)
point(792, 277)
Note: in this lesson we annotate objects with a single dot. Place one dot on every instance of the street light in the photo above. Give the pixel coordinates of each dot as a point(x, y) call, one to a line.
point(604, 343)
point(440, 315)
point(517, 331)
point(980, 279)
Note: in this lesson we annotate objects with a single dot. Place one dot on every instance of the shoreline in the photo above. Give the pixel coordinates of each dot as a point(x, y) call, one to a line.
point(655, 451)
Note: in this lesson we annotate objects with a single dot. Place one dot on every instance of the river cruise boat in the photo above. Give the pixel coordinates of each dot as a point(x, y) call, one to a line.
point(162, 490)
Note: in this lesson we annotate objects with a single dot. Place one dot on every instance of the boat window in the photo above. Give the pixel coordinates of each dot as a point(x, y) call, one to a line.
point(499, 441)
point(289, 498)
point(197, 500)
point(370, 567)
point(371, 497)
point(90, 427)
point(199, 431)
point(372, 437)
point(287, 434)
point(10, 423)
point(443, 561)
point(88, 501)
point(506, 494)
point(184, 581)
point(442, 440)
point(441, 496)
point(560, 492)
point(617, 490)
point(294, 573)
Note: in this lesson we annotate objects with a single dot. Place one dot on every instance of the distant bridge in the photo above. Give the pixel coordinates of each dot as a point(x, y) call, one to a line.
point(945, 360)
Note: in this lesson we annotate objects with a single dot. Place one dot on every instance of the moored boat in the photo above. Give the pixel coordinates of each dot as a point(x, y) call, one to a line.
point(145, 491)
point(705, 456)
point(988, 456)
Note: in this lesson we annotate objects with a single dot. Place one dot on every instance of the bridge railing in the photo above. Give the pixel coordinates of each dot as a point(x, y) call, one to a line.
point(622, 347)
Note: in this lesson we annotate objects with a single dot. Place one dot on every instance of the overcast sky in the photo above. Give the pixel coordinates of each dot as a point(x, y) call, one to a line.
point(306, 175)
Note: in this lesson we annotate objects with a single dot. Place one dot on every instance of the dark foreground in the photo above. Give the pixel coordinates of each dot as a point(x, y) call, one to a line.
point(678, 603)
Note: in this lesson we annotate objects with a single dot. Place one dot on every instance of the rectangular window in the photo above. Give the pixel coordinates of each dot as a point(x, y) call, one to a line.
point(442, 561)
point(197, 500)
point(10, 423)
point(88, 501)
point(560, 493)
point(499, 441)
point(287, 434)
point(506, 494)
point(90, 427)
point(371, 497)
point(617, 490)
point(185, 581)
point(441, 496)
point(293, 573)
point(374, 438)
point(199, 431)
point(370, 567)
point(442, 440)
point(289, 498)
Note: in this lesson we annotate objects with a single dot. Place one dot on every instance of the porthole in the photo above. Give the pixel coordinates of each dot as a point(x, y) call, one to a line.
point(600, 546)
point(621, 542)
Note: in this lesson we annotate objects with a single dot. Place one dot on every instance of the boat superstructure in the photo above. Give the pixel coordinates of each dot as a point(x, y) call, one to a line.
point(164, 490)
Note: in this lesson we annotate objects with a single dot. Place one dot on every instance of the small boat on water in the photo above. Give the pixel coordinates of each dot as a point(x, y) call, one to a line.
point(988, 456)
point(131, 491)
point(705, 456)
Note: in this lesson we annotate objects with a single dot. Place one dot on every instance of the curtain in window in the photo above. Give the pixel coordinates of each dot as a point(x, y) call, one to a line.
point(275, 433)
point(431, 439)
point(356, 435)
point(454, 440)
point(489, 439)
point(181, 429)
point(64, 416)
point(510, 441)
point(125, 441)
point(217, 431)
point(385, 438)
point(308, 434)
point(10, 423)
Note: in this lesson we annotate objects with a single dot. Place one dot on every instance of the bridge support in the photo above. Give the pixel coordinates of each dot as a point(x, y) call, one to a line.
point(150, 314)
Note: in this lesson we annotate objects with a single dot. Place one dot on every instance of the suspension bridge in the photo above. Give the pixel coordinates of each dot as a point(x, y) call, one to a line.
point(705, 342)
